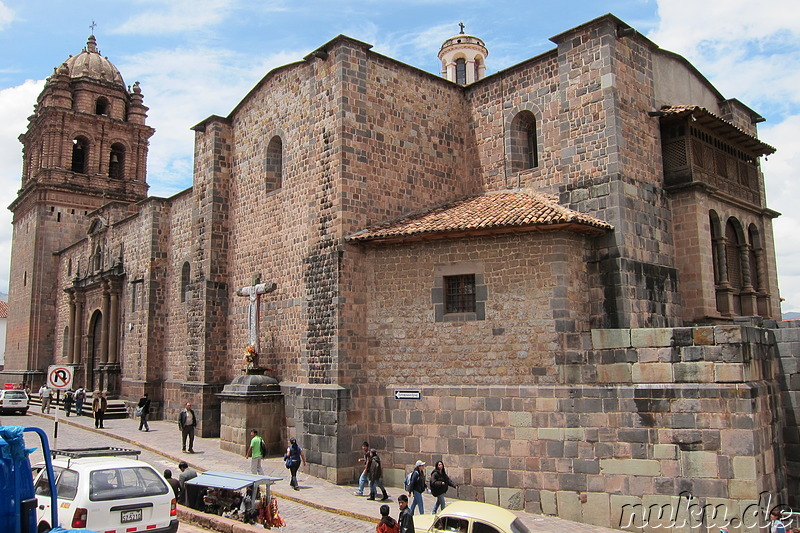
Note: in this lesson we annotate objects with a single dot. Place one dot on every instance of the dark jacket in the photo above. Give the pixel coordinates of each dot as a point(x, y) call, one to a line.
point(406, 521)
point(182, 419)
point(374, 470)
point(144, 403)
point(439, 482)
point(418, 481)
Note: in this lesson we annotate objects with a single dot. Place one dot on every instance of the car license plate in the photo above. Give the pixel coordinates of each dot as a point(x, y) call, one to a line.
point(134, 515)
point(14, 402)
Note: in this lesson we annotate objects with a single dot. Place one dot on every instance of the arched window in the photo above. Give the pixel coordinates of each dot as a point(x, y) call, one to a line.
point(754, 258)
point(101, 106)
point(461, 71)
point(524, 152)
point(478, 64)
point(733, 260)
point(186, 274)
point(116, 162)
point(97, 259)
point(273, 164)
point(80, 154)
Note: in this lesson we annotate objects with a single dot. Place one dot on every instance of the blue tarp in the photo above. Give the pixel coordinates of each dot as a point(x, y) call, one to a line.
point(230, 480)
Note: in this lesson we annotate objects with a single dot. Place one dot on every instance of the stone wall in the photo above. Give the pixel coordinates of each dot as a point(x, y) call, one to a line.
point(787, 335)
point(651, 417)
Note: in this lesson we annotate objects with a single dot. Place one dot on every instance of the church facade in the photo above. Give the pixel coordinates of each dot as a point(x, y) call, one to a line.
point(550, 277)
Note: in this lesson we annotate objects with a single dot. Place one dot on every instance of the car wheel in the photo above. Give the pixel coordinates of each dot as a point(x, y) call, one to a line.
point(43, 526)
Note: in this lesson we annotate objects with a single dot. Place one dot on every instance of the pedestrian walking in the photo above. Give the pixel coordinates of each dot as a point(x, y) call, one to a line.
point(174, 483)
point(255, 451)
point(375, 475)
point(187, 421)
point(69, 396)
point(293, 457)
point(362, 480)
point(406, 518)
point(439, 483)
point(387, 523)
point(80, 397)
point(143, 410)
point(776, 524)
point(99, 406)
point(45, 395)
point(417, 487)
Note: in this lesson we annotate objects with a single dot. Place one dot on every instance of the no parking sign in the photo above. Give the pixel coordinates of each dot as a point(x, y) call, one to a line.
point(59, 376)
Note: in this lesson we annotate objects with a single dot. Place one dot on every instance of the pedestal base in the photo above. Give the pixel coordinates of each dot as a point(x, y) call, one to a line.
point(251, 401)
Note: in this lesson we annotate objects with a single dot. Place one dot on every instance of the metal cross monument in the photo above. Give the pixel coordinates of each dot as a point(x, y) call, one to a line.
point(254, 293)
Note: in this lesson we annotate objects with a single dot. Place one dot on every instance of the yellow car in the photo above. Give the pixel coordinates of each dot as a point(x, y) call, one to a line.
point(470, 517)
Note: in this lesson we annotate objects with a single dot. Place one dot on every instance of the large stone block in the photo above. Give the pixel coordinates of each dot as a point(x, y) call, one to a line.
point(611, 338)
point(631, 467)
point(651, 337)
point(699, 464)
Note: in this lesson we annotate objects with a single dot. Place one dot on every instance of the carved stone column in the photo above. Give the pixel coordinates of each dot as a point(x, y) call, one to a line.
point(71, 339)
point(113, 324)
point(747, 294)
point(104, 327)
point(78, 335)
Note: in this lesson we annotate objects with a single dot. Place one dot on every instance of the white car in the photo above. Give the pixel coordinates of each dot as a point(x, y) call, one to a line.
point(13, 400)
point(102, 492)
point(470, 517)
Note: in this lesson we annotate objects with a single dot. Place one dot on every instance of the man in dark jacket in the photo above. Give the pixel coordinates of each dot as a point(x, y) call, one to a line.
point(187, 422)
point(406, 519)
point(144, 406)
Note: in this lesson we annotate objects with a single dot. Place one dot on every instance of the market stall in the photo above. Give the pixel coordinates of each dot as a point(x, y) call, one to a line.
point(245, 497)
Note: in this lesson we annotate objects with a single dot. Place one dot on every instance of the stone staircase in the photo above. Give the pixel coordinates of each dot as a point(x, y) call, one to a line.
point(117, 409)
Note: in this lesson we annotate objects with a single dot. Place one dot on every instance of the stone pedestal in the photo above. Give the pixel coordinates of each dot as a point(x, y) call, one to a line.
point(251, 401)
point(108, 378)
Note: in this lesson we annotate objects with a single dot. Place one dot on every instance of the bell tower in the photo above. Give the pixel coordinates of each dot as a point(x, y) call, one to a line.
point(463, 58)
point(85, 146)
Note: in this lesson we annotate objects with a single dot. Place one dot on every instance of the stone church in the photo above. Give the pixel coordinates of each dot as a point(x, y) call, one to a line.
point(558, 278)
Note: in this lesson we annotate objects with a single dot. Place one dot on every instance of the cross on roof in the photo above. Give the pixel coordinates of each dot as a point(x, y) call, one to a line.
point(461, 25)
point(93, 26)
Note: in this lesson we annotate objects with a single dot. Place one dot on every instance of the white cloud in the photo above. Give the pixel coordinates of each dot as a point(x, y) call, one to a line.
point(183, 87)
point(16, 105)
point(177, 16)
point(6, 16)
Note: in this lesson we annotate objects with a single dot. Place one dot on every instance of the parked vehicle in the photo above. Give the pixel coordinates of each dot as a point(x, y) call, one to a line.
point(470, 517)
point(14, 400)
point(105, 489)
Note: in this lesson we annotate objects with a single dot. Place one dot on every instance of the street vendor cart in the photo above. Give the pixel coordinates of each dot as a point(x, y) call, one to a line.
point(245, 497)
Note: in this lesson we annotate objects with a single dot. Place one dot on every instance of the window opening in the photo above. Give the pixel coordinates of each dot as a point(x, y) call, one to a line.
point(460, 293)
point(80, 153)
point(273, 164)
point(116, 162)
point(461, 71)
point(524, 152)
point(185, 275)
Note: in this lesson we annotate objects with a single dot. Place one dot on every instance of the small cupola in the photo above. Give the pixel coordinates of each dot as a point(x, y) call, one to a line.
point(463, 58)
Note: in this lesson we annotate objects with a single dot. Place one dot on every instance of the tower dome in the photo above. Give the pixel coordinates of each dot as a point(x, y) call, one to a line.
point(90, 64)
point(463, 58)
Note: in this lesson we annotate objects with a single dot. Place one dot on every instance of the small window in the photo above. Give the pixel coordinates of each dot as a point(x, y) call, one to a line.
point(186, 273)
point(123, 483)
point(460, 293)
point(524, 153)
point(451, 523)
point(461, 71)
point(101, 106)
point(273, 164)
point(67, 485)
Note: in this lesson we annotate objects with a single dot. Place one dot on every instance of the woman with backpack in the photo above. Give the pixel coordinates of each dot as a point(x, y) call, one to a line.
point(294, 456)
point(416, 487)
point(439, 483)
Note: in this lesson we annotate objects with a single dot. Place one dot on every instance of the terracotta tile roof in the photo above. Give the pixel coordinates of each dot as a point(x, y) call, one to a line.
point(489, 213)
point(3, 309)
point(718, 125)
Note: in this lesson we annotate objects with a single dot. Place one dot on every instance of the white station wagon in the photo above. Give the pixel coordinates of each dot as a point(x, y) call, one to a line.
point(101, 491)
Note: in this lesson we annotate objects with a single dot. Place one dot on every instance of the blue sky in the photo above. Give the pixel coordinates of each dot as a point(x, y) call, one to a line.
point(195, 58)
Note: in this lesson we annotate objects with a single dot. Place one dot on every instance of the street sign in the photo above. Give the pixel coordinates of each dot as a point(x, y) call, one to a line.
point(407, 395)
point(59, 376)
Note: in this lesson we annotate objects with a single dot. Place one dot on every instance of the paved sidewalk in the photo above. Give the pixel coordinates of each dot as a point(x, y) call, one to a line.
point(164, 438)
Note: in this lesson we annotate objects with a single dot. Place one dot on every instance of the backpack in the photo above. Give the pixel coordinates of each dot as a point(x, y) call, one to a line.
point(80, 395)
point(263, 448)
point(407, 482)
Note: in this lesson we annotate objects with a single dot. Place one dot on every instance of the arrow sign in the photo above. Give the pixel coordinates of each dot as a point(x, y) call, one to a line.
point(407, 395)
point(59, 377)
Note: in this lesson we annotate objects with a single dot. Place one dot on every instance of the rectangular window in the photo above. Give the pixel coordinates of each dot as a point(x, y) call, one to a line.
point(460, 293)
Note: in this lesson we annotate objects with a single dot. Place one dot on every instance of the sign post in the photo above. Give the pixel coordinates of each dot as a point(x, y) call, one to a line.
point(59, 377)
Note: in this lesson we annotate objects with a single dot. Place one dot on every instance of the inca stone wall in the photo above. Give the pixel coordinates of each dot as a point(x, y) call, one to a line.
point(647, 416)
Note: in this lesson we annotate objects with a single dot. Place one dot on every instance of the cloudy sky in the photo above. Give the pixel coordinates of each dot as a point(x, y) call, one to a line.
point(195, 58)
